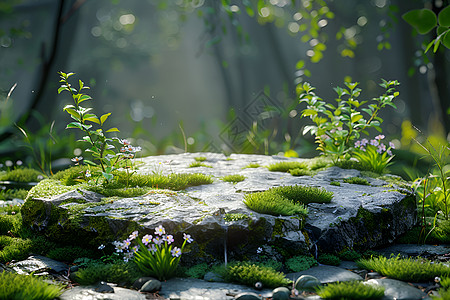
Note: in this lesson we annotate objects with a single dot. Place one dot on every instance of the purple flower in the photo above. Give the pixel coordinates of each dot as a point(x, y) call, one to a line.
point(160, 230)
point(133, 235)
point(147, 239)
point(152, 248)
point(135, 249)
point(389, 152)
point(364, 142)
point(357, 144)
point(391, 145)
point(168, 238)
point(176, 252)
point(126, 243)
point(379, 137)
point(381, 148)
point(187, 238)
point(374, 142)
point(157, 240)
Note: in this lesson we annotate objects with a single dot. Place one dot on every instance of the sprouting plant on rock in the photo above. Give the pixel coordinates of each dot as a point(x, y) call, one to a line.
point(374, 155)
point(337, 127)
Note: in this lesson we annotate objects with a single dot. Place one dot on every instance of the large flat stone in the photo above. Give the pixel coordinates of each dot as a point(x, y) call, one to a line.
point(358, 217)
point(326, 274)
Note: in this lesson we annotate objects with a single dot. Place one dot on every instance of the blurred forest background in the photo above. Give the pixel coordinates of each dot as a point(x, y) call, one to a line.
point(209, 75)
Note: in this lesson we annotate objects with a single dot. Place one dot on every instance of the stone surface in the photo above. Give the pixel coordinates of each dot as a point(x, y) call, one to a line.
point(38, 264)
point(281, 293)
point(138, 283)
point(307, 283)
point(190, 288)
point(414, 250)
point(398, 290)
point(151, 286)
point(89, 293)
point(358, 217)
point(327, 274)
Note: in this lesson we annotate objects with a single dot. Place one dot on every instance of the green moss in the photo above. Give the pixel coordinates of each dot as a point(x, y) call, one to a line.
point(120, 273)
point(235, 217)
point(200, 158)
point(12, 287)
point(14, 248)
point(351, 255)
point(48, 188)
point(300, 172)
point(300, 263)
point(252, 166)
point(286, 166)
point(350, 290)
point(408, 269)
point(197, 271)
point(335, 183)
point(234, 178)
point(356, 180)
point(273, 204)
point(22, 175)
point(248, 274)
point(197, 164)
point(303, 194)
point(328, 259)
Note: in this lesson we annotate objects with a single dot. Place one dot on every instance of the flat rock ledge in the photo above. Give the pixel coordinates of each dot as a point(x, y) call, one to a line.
point(359, 217)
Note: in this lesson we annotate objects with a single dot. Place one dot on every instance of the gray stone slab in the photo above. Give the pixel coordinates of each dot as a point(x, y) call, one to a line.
point(414, 250)
point(38, 263)
point(327, 274)
point(190, 288)
point(89, 293)
point(398, 290)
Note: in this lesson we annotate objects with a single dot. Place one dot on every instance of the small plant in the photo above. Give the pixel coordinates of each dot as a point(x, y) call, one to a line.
point(248, 274)
point(119, 272)
point(300, 172)
point(329, 259)
point(408, 269)
point(335, 183)
point(304, 194)
point(197, 164)
point(235, 178)
point(200, 158)
point(197, 271)
point(373, 155)
point(22, 175)
point(252, 166)
point(336, 128)
point(14, 248)
point(286, 166)
point(154, 256)
point(235, 217)
point(350, 290)
point(273, 204)
point(300, 263)
point(350, 255)
point(15, 286)
point(356, 180)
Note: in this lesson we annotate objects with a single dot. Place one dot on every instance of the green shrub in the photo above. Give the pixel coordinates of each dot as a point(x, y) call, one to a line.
point(300, 263)
point(408, 269)
point(233, 178)
point(13, 193)
point(22, 175)
point(10, 209)
point(356, 180)
point(445, 282)
point(120, 273)
point(197, 271)
point(14, 248)
point(443, 295)
point(271, 263)
point(69, 254)
point(286, 166)
point(303, 194)
point(273, 204)
point(10, 223)
point(350, 290)
point(17, 287)
point(248, 274)
point(329, 259)
point(351, 255)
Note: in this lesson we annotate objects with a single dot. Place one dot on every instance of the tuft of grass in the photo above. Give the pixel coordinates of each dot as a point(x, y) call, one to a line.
point(252, 166)
point(197, 164)
point(286, 166)
point(13, 193)
point(350, 290)
point(304, 194)
point(72, 176)
point(335, 183)
point(248, 274)
point(406, 269)
point(200, 158)
point(234, 178)
point(120, 272)
point(22, 175)
point(356, 180)
point(273, 204)
point(300, 263)
point(329, 259)
point(235, 217)
point(15, 286)
point(14, 248)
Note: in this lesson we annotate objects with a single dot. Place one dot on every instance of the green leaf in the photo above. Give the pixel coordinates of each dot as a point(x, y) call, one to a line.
point(103, 118)
point(300, 64)
point(86, 161)
point(92, 118)
point(444, 17)
point(114, 129)
point(356, 117)
point(63, 88)
point(423, 20)
point(74, 125)
point(446, 40)
point(83, 98)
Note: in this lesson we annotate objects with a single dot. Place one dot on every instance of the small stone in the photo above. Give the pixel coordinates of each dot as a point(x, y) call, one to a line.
point(138, 283)
point(151, 286)
point(103, 287)
point(373, 275)
point(258, 286)
point(306, 283)
point(73, 269)
point(247, 296)
point(281, 293)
